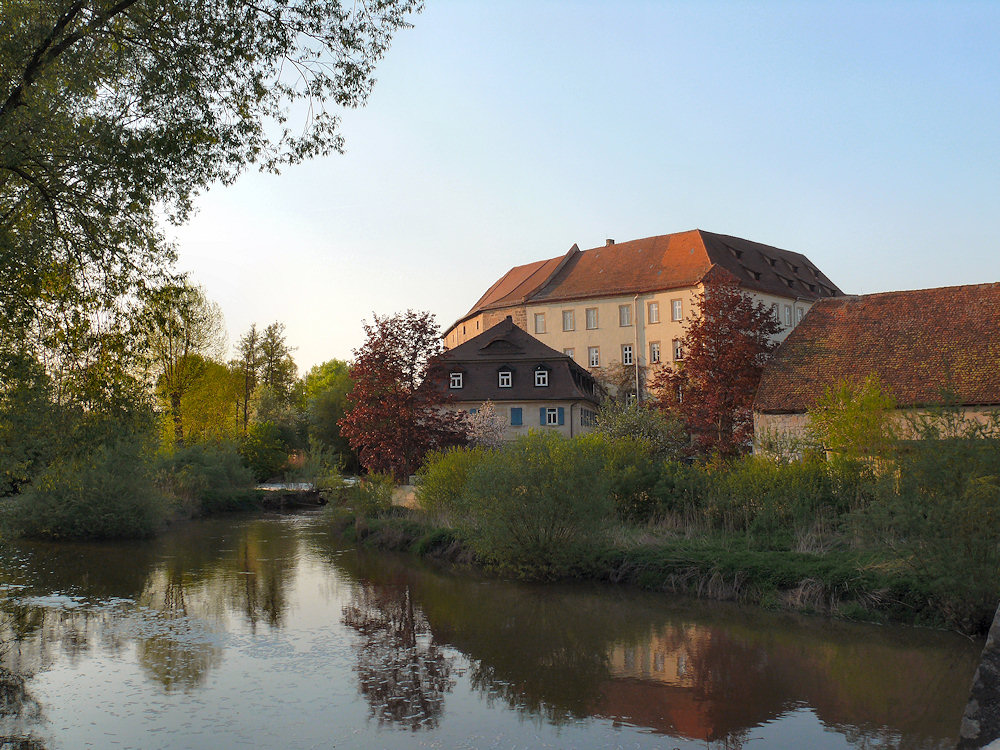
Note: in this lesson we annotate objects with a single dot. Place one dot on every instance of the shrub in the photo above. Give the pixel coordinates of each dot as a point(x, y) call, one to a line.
point(536, 504)
point(206, 478)
point(265, 450)
point(442, 479)
point(372, 495)
point(631, 471)
point(663, 433)
point(109, 494)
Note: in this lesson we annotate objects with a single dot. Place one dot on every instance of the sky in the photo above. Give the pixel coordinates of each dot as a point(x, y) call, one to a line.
point(865, 135)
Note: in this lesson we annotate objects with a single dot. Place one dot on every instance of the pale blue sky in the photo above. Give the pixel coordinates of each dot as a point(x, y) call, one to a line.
point(863, 134)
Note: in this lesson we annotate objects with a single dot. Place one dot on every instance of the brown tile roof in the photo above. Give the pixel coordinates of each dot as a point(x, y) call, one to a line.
point(657, 263)
point(481, 358)
point(917, 342)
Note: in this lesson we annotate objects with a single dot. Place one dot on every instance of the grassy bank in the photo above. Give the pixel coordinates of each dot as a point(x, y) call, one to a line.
point(912, 541)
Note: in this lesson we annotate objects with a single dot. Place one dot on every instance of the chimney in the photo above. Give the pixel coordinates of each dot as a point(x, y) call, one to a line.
point(608, 242)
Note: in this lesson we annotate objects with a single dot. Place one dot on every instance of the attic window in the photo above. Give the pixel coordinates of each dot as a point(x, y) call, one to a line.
point(795, 269)
point(770, 260)
point(755, 274)
point(456, 380)
point(812, 287)
point(505, 378)
point(737, 253)
point(541, 378)
point(790, 282)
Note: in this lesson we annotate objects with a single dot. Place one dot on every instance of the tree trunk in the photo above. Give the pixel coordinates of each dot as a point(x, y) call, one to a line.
point(175, 413)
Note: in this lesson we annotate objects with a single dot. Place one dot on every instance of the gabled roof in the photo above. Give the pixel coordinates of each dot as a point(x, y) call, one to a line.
point(507, 346)
point(657, 263)
point(917, 342)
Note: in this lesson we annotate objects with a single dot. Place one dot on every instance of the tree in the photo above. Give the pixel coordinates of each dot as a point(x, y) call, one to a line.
point(725, 348)
point(248, 365)
point(277, 368)
point(183, 329)
point(114, 113)
point(634, 420)
point(395, 415)
point(326, 388)
point(486, 427)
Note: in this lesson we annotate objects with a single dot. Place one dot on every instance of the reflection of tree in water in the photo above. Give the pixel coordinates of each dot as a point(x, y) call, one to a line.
point(18, 710)
point(401, 671)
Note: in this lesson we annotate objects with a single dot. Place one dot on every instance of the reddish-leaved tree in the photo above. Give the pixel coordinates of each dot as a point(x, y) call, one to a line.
point(394, 415)
point(725, 347)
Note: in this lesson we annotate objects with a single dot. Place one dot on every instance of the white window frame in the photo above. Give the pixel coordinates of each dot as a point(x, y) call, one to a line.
point(569, 316)
point(594, 356)
point(456, 381)
point(654, 352)
point(676, 309)
point(505, 379)
point(624, 316)
point(788, 316)
point(551, 416)
point(541, 378)
point(539, 322)
point(595, 320)
point(678, 350)
point(799, 314)
point(571, 353)
point(653, 312)
point(628, 355)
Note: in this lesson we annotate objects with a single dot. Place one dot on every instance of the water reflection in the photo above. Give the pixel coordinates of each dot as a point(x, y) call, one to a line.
point(201, 610)
point(401, 672)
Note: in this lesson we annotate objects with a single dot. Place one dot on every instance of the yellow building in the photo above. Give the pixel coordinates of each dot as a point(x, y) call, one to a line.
point(626, 303)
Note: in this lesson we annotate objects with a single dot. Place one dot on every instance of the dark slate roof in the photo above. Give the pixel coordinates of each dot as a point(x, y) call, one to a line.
point(506, 346)
point(652, 264)
point(917, 342)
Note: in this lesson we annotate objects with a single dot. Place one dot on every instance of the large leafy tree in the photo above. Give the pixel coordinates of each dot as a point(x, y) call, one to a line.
point(114, 113)
point(726, 346)
point(326, 387)
point(395, 415)
point(184, 329)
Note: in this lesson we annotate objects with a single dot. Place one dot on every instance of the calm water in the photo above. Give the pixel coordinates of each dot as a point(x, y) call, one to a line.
point(268, 633)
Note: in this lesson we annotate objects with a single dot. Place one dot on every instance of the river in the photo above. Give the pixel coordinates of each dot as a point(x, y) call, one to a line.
point(268, 632)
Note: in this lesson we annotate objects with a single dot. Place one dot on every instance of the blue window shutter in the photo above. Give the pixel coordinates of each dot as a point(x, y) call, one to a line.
point(562, 413)
point(473, 411)
point(515, 416)
point(541, 416)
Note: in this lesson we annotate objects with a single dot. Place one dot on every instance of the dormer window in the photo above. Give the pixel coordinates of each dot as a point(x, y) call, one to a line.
point(505, 379)
point(456, 380)
point(541, 378)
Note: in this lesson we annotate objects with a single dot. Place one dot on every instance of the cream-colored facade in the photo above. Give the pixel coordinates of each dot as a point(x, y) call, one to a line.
point(577, 416)
point(591, 329)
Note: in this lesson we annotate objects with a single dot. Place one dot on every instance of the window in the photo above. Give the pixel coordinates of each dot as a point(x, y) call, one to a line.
point(799, 314)
point(678, 350)
point(569, 320)
point(551, 415)
point(594, 356)
point(515, 416)
point(653, 312)
point(676, 309)
point(541, 378)
point(588, 417)
point(624, 315)
point(774, 311)
point(627, 354)
point(654, 352)
point(456, 380)
point(539, 322)
point(505, 377)
point(788, 316)
point(591, 318)
point(568, 352)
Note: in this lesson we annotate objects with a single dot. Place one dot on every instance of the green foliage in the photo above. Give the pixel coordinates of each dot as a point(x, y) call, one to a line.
point(631, 471)
point(326, 388)
point(204, 479)
point(265, 450)
point(442, 480)
point(372, 495)
point(629, 419)
point(108, 494)
point(854, 421)
point(538, 504)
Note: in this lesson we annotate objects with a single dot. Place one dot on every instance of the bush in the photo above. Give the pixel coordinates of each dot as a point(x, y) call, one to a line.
point(442, 479)
point(663, 434)
point(535, 505)
point(109, 494)
point(206, 479)
point(632, 473)
point(372, 495)
point(265, 450)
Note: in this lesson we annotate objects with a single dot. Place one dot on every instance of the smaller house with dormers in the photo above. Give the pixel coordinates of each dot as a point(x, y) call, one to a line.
point(531, 385)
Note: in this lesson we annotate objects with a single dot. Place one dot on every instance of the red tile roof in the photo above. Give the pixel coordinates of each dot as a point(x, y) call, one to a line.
point(657, 263)
point(917, 342)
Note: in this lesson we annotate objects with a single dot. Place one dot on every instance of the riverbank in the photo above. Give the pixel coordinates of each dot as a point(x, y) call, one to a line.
point(845, 584)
